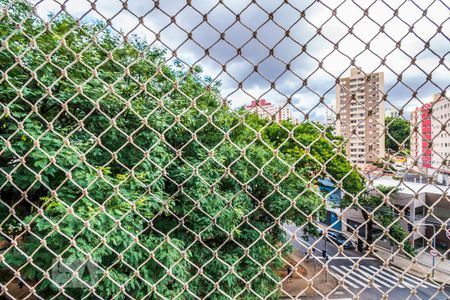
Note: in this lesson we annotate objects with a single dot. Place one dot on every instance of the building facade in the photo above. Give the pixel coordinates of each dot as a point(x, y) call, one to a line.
point(416, 138)
point(360, 106)
point(414, 199)
point(330, 116)
point(440, 136)
point(265, 109)
point(391, 113)
point(421, 136)
point(334, 197)
point(430, 139)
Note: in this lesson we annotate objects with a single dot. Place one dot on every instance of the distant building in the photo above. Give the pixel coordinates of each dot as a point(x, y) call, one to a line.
point(265, 109)
point(421, 136)
point(391, 113)
point(430, 139)
point(360, 105)
point(330, 116)
point(334, 197)
point(440, 132)
point(415, 199)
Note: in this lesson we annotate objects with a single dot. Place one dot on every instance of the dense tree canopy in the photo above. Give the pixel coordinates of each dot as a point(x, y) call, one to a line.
point(111, 154)
point(398, 133)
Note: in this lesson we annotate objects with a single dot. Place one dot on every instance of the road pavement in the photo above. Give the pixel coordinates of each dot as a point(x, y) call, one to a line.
point(366, 276)
point(411, 177)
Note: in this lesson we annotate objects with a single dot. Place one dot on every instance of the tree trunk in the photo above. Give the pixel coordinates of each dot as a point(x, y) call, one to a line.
point(369, 230)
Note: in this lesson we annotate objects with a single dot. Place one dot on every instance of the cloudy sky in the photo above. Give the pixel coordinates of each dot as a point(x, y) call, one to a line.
point(317, 40)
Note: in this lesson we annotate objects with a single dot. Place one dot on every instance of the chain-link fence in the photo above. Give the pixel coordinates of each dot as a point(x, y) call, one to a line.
point(224, 149)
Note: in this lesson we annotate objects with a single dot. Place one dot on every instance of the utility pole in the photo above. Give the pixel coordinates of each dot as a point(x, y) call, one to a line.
point(390, 242)
point(324, 254)
point(392, 251)
point(314, 257)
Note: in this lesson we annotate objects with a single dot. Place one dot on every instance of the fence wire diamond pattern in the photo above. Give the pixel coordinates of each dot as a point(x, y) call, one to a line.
point(132, 165)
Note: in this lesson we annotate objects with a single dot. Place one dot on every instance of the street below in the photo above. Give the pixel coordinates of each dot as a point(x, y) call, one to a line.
point(363, 275)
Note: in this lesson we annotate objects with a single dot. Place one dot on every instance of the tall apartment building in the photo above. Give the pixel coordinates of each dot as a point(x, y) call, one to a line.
point(265, 109)
point(440, 133)
point(360, 105)
point(430, 143)
point(420, 138)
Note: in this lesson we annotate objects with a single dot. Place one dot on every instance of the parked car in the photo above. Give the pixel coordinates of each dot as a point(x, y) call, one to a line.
point(340, 239)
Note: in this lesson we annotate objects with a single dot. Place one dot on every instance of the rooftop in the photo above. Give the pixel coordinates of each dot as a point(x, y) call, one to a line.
point(412, 187)
point(262, 102)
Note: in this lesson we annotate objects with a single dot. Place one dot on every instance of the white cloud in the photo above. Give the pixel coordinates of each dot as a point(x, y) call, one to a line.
point(396, 16)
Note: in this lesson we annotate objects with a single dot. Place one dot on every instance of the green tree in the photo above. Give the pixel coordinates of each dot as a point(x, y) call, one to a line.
point(398, 134)
point(113, 156)
point(377, 206)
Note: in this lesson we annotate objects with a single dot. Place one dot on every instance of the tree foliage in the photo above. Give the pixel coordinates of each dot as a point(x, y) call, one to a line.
point(373, 201)
point(111, 154)
point(398, 134)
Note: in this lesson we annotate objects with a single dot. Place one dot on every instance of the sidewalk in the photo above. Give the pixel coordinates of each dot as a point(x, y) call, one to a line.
point(304, 285)
point(441, 270)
